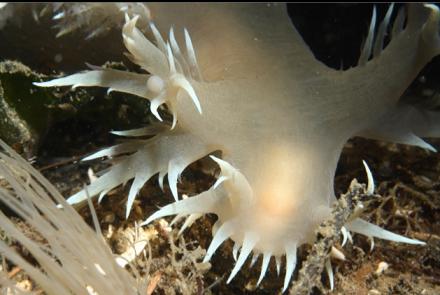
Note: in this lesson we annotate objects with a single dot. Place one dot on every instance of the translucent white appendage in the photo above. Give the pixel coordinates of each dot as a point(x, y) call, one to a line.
point(221, 235)
point(142, 51)
point(235, 250)
point(368, 229)
point(249, 241)
point(431, 29)
point(278, 264)
point(202, 203)
point(188, 222)
point(366, 50)
point(345, 235)
point(264, 266)
point(290, 264)
point(116, 80)
point(378, 44)
point(329, 271)
point(370, 185)
point(254, 259)
point(168, 152)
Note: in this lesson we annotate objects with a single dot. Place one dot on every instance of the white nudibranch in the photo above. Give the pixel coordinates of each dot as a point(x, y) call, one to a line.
point(280, 116)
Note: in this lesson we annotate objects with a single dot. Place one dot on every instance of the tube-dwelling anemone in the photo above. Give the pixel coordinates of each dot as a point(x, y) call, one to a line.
point(280, 117)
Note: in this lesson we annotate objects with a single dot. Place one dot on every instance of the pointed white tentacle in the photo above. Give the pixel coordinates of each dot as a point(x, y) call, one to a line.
point(102, 195)
point(368, 229)
point(203, 203)
point(290, 264)
point(264, 266)
point(329, 270)
point(177, 218)
point(371, 243)
point(249, 241)
point(171, 64)
point(174, 171)
point(235, 250)
point(219, 181)
point(223, 233)
point(430, 33)
point(142, 51)
point(254, 259)
point(152, 129)
point(370, 185)
point(366, 50)
point(398, 23)
point(181, 82)
point(278, 264)
point(139, 180)
point(344, 233)
point(192, 60)
point(378, 44)
point(160, 178)
point(159, 40)
point(126, 147)
point(120, 81)
point(178, 54)
point(104, 183)
point(156, 103)
point(188, 222)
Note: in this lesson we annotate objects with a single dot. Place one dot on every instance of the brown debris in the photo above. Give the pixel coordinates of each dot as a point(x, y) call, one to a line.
point(327, 235)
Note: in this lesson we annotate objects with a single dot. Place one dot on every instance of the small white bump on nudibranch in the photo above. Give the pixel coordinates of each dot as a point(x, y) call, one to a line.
point(155, 84)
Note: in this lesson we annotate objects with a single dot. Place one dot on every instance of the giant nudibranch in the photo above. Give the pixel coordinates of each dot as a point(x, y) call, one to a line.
point(247, 84)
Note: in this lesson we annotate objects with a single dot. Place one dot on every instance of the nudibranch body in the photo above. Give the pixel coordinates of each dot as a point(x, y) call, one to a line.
point(248, 85)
